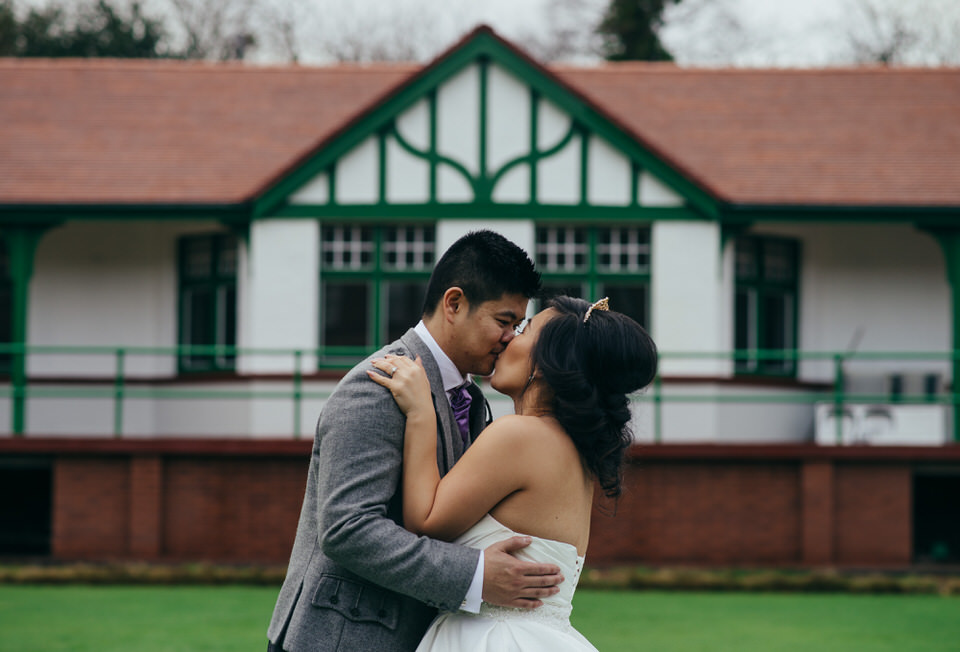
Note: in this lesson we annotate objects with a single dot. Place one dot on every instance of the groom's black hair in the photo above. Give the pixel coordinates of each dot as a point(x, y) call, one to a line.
point(485, 265)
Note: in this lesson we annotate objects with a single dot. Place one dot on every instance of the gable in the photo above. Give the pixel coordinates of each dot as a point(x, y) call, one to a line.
point(481, 129)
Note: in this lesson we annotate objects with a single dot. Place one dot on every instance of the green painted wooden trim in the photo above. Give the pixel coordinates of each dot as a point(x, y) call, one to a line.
point(534, 133)
point(485, 47)
point(584, 166)
point(949, 241)
point(22, 242)
point(41, 214)
point(374, 329)
point(382, 153)
point(458, 211)
point(923, 216)
point(434, 160)
point(432, 153)
point(533, 158)
point(483, 189)
point(332, 183)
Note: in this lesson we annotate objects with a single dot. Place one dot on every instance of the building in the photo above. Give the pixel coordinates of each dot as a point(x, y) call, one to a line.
point(194, 253)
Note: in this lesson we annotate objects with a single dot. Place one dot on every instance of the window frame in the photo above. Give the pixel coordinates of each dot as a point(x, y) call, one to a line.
point(377, 276)
point(217, 283)
point(762, 288)
point(592, 279)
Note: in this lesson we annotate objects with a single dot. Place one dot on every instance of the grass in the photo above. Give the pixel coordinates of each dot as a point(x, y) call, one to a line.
point(779, 622)
point(197, 619)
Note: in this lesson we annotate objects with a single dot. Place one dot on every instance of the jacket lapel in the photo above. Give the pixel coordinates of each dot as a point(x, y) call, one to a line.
point(449, 444)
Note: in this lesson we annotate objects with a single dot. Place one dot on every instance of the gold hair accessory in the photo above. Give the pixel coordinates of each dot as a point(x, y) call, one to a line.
point(602, 304)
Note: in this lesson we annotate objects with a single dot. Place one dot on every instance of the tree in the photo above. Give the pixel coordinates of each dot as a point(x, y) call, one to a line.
point(9, 29)
point(215, 29)
point(630, 30)
point(96, 30)
point(925, 32)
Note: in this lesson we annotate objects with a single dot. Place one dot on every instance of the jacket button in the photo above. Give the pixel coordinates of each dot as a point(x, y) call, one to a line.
point(355, 612)
point(334, 599)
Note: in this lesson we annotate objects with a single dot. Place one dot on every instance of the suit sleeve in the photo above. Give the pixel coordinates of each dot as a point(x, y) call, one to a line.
point(360, 462)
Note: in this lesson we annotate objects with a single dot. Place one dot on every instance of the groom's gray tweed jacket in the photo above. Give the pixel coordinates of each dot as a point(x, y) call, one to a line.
point(357, 580)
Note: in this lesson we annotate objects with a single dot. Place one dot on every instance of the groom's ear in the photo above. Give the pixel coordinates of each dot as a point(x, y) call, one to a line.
point(453, 303)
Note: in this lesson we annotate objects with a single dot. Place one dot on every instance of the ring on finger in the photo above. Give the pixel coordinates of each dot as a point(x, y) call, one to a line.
point(393, 370)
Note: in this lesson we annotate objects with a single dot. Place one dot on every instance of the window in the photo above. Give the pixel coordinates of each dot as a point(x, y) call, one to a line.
point(208, 300)
point(765, 303)
point(373, 281)
point(596, 262)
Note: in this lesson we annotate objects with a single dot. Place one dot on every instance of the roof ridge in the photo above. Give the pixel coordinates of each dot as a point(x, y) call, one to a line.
point(191, 65)
point(625, 67)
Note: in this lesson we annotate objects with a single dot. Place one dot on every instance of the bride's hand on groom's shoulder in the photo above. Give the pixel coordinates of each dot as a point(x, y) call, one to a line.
point(407, 381)
point(510, 582)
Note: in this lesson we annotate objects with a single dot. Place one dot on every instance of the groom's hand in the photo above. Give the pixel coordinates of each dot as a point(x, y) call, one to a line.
point(509, 582)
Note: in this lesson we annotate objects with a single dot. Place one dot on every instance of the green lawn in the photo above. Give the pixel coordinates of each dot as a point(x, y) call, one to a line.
point(191, 619)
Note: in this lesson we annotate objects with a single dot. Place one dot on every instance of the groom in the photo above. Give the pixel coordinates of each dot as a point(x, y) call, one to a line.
point(357, 580)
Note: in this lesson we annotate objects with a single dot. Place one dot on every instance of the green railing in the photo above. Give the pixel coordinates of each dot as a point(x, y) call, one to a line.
point(121, 387)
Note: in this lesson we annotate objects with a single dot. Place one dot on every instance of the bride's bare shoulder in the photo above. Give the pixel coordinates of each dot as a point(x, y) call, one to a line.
point(515, 428)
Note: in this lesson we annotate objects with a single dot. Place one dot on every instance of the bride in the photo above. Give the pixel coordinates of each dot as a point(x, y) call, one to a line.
point(568, 373)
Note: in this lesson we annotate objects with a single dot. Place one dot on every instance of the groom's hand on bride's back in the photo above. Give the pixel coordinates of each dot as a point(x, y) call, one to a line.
point(509, 582)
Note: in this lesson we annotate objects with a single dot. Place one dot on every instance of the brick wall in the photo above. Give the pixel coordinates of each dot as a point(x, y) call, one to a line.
point(720, 505)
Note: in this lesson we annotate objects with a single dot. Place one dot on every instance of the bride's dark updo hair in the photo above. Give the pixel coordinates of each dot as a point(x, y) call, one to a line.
point(589, 369)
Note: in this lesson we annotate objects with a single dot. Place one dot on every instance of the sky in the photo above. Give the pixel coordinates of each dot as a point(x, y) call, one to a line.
point(697, 32)
point(796, 21)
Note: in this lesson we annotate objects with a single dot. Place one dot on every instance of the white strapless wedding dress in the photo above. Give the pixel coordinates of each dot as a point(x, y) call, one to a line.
point(500, 629)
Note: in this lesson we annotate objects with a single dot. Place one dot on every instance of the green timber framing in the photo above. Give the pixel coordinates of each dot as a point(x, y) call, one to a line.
point(23, 224)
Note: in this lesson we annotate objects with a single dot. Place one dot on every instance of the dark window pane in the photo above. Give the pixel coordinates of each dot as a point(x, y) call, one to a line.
point(746, 259)
point(345, 314)
point(347, 247)
point(403, 306)
point(227, 257)
point(198, 316)
point(227, 334)
point(198, 257)
point(779, 261)
point(631, 300)
point(777, 329)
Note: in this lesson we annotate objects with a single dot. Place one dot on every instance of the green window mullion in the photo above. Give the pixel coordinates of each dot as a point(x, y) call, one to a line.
point(432, 109)
point(534, 159)
point(484, 177)
point(592, 270)
point(584, 164)
point(332, 190)
point(377, 330)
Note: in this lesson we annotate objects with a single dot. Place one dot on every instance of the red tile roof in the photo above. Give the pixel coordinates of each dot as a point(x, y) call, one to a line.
point(863, 136)
point(111, 131)
point(140, 132)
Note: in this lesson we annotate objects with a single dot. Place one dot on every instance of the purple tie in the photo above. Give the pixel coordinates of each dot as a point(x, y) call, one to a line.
point(460, 402)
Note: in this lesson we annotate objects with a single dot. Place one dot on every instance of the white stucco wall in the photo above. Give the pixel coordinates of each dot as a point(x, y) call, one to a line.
point(106, 284)
point(870, 287)
point(280, 290)
point(689, 296)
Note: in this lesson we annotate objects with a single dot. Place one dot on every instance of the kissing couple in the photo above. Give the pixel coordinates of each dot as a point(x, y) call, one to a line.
point(420, 532)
